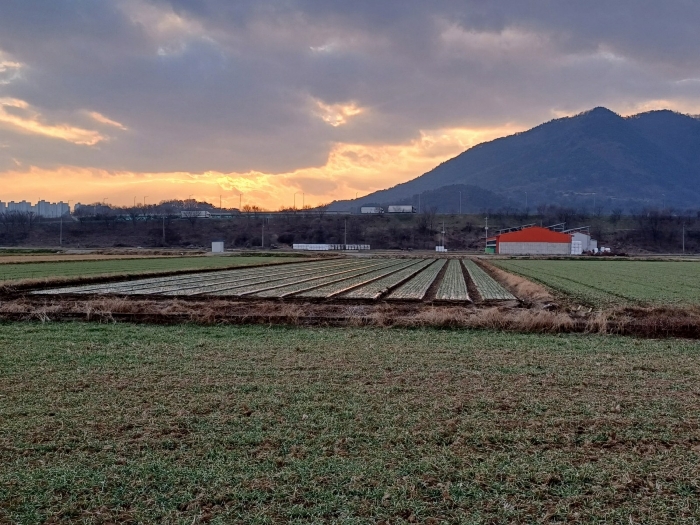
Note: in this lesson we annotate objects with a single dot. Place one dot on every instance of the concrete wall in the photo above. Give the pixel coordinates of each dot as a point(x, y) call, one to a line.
point(534, 248)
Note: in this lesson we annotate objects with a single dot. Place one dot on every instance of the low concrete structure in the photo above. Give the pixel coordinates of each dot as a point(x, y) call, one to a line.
point(217, 247)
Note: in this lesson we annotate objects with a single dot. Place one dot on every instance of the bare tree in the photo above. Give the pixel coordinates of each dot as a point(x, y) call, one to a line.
point(248, 208)
point(133, 214)
point(191, 216)
point(321, 209)
point(650, 223)
point(430, 215)
point(615, 215)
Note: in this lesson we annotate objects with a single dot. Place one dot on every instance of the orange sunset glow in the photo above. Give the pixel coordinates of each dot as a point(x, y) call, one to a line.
point(164, 101)
point(350, 169)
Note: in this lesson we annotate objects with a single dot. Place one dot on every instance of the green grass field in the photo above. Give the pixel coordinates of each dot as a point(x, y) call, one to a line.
point(605, 282)
point(11, 272)
point(125, 423)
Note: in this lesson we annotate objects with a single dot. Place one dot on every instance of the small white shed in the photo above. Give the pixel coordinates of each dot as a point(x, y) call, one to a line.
point(217, 247)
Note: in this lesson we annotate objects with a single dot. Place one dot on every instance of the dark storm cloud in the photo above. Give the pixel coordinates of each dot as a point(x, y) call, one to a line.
point(245, 85)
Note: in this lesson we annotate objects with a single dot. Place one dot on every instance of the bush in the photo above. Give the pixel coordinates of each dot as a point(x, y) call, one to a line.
point(286, 238)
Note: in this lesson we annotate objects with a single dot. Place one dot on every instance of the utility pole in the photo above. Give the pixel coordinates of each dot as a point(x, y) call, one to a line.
point(487, 228)
point(219, 202)
point(144, 200)
point(163, 229)
point(346, 234)
point(262, 238)
point(684, 238)
point(443, 234)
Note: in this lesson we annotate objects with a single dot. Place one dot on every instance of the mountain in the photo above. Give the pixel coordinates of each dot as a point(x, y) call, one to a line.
point(596, 158)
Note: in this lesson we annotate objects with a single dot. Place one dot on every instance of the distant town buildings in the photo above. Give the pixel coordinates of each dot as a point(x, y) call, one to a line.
point(49, 210)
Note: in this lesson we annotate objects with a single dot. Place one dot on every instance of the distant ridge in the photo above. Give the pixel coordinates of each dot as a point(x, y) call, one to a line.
point(596, 158)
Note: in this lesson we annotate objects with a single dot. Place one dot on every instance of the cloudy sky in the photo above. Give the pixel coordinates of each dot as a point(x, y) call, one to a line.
point(126, 99)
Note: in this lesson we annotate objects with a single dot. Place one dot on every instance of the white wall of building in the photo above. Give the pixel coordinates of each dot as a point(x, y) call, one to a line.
point(534, 248)
point(583, 238)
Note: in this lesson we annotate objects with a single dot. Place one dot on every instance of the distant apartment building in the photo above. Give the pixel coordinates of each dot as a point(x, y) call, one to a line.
point(48, 210)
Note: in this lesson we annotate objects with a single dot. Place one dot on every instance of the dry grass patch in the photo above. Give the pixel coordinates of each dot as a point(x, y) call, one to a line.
point(642, 322)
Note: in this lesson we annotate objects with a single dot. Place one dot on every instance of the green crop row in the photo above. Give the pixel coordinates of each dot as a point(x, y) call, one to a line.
point(488, 288)
point(453, 286)
point(331, 290)
point(375, 289)
point(320, 279)
point(604, 282)
point(416, 288)
point(161, 284)
point(44, 270)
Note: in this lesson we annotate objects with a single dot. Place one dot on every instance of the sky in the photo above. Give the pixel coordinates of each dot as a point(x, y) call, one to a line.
point(275, 103)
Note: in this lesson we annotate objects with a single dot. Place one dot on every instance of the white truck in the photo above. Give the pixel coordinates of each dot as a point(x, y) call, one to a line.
point(198, 214)
point(402, 209)
point(371, 209)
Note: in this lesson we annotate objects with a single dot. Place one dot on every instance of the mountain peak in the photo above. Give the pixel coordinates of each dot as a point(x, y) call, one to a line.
point(624, 162)
point(599, 111)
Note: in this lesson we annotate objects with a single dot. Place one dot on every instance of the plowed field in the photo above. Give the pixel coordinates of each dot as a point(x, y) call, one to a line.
point(407, 279)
